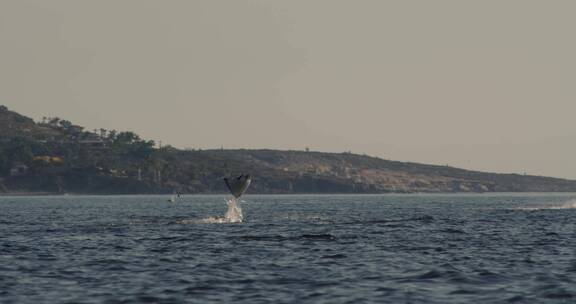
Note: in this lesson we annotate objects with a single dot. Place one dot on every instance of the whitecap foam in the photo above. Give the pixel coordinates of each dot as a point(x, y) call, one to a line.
point(233, 215)
point(317, 218)
point(570, 204)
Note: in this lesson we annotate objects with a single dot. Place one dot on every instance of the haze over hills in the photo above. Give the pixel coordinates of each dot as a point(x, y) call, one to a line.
point(56, 156)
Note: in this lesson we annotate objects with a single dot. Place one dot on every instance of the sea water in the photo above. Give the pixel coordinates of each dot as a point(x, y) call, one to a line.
point(486, 248)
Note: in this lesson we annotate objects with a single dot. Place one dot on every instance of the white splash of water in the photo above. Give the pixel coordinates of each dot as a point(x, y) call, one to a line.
point(233, 215)
point(570, 204)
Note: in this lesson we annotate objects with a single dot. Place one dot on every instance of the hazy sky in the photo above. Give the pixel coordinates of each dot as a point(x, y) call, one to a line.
point(487, 85)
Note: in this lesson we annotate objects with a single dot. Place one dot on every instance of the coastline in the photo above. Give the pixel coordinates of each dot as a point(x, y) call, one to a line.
point(519, 193)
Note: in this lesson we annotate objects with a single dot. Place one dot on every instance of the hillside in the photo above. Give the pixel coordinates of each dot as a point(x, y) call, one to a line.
point(59, 157)
point(14, 125)
point(316, 172)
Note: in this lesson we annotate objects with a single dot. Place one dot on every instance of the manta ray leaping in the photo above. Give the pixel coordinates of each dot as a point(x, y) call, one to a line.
point(238, 185)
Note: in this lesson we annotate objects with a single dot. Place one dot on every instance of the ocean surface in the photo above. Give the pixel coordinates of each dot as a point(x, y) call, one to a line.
point(485, 248)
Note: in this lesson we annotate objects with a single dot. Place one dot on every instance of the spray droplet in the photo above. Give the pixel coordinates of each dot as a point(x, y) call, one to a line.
point(234, 213)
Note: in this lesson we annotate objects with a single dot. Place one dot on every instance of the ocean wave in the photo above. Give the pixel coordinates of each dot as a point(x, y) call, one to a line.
point(570, 204)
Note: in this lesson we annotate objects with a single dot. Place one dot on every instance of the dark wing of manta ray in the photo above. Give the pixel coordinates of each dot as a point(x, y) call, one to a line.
point(238, 185)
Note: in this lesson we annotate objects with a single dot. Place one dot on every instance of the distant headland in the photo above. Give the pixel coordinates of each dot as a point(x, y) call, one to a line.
point(56, 156)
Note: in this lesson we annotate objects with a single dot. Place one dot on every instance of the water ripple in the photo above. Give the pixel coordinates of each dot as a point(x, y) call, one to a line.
point(289, 249)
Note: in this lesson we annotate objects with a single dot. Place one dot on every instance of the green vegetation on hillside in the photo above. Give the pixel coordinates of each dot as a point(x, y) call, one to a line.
point(57, 156)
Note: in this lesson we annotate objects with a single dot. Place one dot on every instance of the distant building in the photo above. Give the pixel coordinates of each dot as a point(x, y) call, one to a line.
point(18, 170)
point(52, 160)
